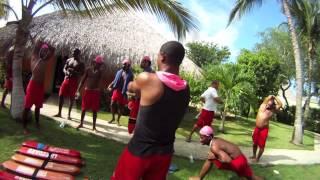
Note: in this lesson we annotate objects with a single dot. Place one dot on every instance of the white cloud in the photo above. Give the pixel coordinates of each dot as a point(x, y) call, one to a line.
point(213, 24)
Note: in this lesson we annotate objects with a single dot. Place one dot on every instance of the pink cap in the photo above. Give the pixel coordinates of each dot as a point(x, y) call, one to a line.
point(98, 59)
point(126, 61)
point(146, 58)
point(206, 131)
point(44, 46)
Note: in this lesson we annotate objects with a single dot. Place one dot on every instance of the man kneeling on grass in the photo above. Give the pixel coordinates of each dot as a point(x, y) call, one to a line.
point(224, 155)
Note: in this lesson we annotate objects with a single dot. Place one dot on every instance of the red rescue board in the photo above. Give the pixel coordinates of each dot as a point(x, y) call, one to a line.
point(39, 163)
point(8, 176)
point(52, 149)
point(50, 156)
point(29, 172)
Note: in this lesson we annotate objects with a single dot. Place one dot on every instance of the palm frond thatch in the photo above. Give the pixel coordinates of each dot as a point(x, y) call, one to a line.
point(115, 36)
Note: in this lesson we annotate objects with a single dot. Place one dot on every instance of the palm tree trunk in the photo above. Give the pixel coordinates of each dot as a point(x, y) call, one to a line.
point(284, 94)
point(21, 39)
point(310, 70)
point(223, 118)
point(297, 133)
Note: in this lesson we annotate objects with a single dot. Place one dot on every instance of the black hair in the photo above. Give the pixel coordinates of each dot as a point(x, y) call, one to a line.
point(173, 51)
point(77, 51)
point(215, 82)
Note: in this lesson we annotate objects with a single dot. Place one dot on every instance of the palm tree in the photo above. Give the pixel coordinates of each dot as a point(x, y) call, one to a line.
point(234, 84)
point(306, 14)
point(243, 6)
point(170, 11)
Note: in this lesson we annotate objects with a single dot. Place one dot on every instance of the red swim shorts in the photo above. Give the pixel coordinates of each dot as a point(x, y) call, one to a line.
point(133, 105)
point(91, 100)
point(8, 84)
point(239, 165)
point(205, 118)
point(34, 95)
point(131, 125)
point(69, 87)
point(131, 167)
point(118, 97)
point(260, 136)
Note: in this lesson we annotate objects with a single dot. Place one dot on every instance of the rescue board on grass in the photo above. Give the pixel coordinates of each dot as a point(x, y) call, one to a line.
point(8, 176)
point(52, 149)
point(44, 164)
point(35, 173)
point(50, 156)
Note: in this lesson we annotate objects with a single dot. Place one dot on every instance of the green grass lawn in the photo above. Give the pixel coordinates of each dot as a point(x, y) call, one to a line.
point(101, 154)
point(237, 131)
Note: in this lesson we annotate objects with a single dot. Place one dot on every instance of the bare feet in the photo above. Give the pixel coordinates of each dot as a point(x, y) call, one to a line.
point(80, 126)
point(255, 160)
point(252, 157)
point(57, 115)
point(118, 123)
point(69, 118)
point(110, 121)
point(188, 139)
point(94, 129)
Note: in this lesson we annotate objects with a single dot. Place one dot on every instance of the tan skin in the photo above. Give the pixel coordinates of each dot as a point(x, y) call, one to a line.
point(222, 150)
point(72, 69)
point(38, 66)
point(91, 80)
point(270, 105)
point(216, 99)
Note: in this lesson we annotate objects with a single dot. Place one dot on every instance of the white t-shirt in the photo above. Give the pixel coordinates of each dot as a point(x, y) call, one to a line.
point(210, 104)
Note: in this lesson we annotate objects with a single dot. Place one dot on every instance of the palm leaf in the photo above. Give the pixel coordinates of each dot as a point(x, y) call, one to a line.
point(242, 7)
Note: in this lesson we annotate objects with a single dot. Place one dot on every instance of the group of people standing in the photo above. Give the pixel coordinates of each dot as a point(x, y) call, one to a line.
point(158, 102)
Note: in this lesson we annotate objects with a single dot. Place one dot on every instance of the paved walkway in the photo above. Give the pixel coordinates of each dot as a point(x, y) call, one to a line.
point(182, 148)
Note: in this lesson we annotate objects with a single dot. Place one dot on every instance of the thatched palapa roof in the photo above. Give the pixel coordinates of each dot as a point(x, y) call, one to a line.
point(115, 36)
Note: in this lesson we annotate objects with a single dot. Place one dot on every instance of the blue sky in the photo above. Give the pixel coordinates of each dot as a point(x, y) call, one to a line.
point(213, 16)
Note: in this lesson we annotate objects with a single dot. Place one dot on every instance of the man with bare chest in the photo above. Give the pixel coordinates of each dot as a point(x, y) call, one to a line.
point(73, 70)
point(225, 155)
point(270, 105)
point(91, 96)
point(35, 89)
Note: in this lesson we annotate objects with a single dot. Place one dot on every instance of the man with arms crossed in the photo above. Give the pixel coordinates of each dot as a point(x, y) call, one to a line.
point(73, 70)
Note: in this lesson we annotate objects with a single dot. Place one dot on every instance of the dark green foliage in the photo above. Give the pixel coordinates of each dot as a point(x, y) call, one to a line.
point(266, 69)
point(197, 86)
point(203, 53)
